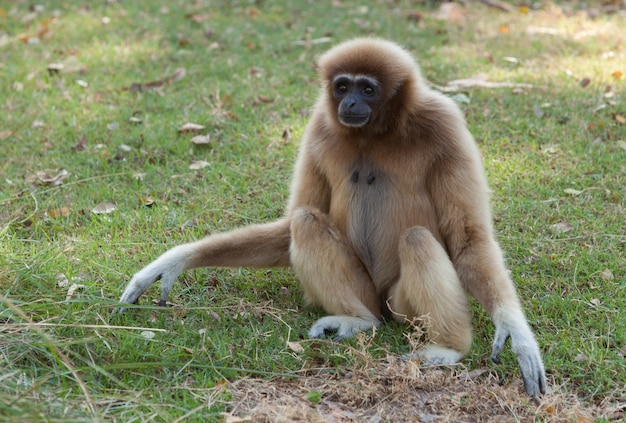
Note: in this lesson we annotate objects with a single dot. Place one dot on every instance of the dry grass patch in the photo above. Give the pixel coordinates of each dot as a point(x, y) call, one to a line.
point(401, 391)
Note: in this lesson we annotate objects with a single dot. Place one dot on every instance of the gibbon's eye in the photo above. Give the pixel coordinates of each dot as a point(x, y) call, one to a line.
point(368, 90)
point(341, 87)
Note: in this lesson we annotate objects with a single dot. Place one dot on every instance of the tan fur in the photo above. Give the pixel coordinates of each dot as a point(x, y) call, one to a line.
point(395, 212)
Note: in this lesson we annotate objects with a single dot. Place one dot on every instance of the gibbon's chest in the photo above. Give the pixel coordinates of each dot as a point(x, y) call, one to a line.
point(373, 202)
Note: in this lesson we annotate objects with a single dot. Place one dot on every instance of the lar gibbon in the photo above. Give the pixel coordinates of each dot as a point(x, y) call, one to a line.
point(388, 215)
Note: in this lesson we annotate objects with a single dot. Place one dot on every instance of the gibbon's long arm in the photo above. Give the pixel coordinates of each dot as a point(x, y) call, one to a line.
point(264, 245)
point(460, 207)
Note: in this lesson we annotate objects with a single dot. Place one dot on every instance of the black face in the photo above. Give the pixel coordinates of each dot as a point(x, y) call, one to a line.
point(357, 96)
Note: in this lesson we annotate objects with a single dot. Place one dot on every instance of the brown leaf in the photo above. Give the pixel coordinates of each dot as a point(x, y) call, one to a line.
point(56, 213)
point(105, 207)
point(255, 71)
point(585, 82)
point(81, 144)
point(177, 75)
point(190, 127)
point(198, 17)
point(5, 134)
point(262, 99)
point(415, 15)
point(619, 118)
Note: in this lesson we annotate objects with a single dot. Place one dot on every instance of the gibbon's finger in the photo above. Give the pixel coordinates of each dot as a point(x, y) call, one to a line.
point(531, 365)
point(532, 373)
point(166, 268)
point(498, 344)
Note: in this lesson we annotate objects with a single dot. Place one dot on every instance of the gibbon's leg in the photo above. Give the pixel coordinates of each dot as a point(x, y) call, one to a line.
point(332, 276)
point(429, 285)
point(264, 245)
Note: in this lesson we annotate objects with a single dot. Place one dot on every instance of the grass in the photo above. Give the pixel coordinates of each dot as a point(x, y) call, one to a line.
point(554, 154)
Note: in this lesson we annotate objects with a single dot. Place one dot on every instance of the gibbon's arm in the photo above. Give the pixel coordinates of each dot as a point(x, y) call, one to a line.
point(309, 188)
point(263, 245)
point(461, 197)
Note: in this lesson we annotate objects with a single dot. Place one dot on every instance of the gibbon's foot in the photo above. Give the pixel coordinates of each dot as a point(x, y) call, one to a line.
point(434, 355)
point(345, 326)
point(166, 269)
point(525, 347)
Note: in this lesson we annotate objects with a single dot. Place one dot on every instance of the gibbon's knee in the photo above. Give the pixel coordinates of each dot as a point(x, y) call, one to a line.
point(329, 271)
point(429, 285)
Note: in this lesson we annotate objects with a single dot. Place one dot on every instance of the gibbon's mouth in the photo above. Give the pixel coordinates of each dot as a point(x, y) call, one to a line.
point(355, 121)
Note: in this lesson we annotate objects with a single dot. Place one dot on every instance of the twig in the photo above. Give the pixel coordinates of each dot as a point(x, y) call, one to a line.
point(500, 5)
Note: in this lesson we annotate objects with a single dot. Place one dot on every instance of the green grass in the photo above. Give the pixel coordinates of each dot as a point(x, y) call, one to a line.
point(248, 79)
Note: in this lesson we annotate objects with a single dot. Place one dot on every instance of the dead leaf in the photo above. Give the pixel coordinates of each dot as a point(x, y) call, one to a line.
point(198, 17)
point(55, 68)
point(255, 71)
point(62, 281)
point(50, 177)
point(148, 202)
point(134, 119)
point(263, 99)
point(56, 213)
point(572, 191)
point(198, 164)
point(295, 347)
point(178, 74)
point(415, 15)
point(229, 418)
point(595, 302)
point(81, 144)
point(581, 357)
point(148, 334)
point(450, 12)
point(105, 207)
point(72, 289)
point(622, 351)
point(190, 127)
point(619, 118)
point(201, 139)
point(5, 134)
point(607, 275)
point(585, 82)
point(562, 227)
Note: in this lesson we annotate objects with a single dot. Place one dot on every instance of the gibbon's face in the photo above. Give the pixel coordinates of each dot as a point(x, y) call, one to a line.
point(357, 96)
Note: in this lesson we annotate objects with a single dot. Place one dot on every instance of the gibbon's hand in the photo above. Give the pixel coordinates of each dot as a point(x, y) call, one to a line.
point(526, 349)
point(166, 269)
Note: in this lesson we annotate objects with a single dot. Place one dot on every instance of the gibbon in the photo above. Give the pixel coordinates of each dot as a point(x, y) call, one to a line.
point(388, 215)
